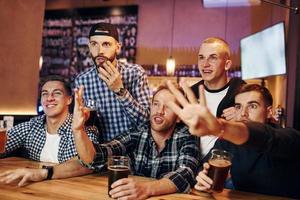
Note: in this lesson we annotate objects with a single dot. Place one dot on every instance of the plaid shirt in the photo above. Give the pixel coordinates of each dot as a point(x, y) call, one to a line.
point(178, 161)
point(31, 136)
point(118, 114)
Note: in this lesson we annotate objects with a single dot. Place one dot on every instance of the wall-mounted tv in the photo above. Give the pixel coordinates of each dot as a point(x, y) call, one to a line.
point(263, 53)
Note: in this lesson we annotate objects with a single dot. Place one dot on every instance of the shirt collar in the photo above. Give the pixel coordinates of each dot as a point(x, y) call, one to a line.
point(64, 127)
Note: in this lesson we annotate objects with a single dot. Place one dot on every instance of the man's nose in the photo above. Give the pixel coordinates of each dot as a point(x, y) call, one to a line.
point(100, 50)
point(161, 109)
point(50, 97)
point(244, 111)
point(204, 62)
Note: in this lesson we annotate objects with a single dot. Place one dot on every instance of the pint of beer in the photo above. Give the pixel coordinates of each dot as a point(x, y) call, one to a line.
point(118, 168)
point(220, 163)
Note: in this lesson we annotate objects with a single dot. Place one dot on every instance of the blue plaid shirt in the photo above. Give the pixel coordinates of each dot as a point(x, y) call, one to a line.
point(31, 136)
point(118, 114)
point(178, 161)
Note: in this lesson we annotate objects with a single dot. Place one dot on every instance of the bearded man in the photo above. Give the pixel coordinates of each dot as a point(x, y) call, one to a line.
point(120, 90)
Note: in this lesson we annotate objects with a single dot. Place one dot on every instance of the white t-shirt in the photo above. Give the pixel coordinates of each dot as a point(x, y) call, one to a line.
point(213, 100)
point(50, 150)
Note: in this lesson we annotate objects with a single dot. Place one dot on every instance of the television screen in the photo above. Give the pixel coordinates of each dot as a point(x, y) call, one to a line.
point(263, 53)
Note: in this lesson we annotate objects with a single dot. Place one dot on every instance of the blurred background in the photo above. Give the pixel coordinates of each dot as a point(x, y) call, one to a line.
point(40, 37)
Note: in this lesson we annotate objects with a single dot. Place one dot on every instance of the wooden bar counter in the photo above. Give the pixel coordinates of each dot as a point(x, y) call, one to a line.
point(93, 187)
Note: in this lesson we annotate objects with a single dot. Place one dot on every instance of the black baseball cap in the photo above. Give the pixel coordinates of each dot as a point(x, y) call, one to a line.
point(104, 29)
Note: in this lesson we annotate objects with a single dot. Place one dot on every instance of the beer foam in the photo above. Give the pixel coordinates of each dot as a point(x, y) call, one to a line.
point(118, 168)
point(219, 162)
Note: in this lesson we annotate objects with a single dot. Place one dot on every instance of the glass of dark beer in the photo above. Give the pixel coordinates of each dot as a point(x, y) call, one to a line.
point(118, 168)
point(91, 105)
point(220, 163)
point(3, 136)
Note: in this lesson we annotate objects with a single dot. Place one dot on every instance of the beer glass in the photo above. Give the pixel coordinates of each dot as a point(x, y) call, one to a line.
point(3, 136)
point(220, 163)
point(118, 168)
point(91, 105)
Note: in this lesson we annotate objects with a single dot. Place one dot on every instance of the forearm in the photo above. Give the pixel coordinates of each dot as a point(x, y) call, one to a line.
point(71, 168)
point(84, 146)
point(235, 132)
point(137, 110)
point(136, 100)
point(160, 187)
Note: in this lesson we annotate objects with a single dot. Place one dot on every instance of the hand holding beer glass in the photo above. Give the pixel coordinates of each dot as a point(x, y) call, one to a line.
point(118, 168)
point(3, 136)
point(220, 163)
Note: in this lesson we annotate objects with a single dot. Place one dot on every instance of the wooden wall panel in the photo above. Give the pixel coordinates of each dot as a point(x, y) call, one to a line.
point(21, 31)
point(20, 46)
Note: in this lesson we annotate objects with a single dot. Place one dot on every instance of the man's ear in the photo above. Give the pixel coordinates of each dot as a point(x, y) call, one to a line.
point(119, 46)
point(228, 64)
point(269, 112)
point(70, 99)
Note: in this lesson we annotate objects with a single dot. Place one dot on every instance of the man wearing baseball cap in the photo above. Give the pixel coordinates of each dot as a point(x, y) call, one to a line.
point(120, 89)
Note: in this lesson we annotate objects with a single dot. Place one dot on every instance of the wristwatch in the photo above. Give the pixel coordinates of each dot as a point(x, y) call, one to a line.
point(121, 91)
point(50, 171)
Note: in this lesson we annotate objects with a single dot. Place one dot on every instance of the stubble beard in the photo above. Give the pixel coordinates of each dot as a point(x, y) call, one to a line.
point(111, 59)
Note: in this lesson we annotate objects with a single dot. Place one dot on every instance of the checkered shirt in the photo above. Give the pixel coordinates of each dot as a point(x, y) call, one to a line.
point(118, 114)
point(178, 161)
point(31, 136)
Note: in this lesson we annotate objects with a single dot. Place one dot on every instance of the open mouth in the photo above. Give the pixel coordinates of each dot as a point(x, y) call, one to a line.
point(207, 71)
point(158, 120)
point(101, 59)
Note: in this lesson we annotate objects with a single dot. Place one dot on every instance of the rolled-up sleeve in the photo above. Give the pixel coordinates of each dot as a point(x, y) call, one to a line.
point(187, 166)
point(118, 146)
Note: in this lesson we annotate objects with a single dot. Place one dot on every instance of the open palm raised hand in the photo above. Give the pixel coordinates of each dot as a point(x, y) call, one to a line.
point(195, 114)
point(80, 113)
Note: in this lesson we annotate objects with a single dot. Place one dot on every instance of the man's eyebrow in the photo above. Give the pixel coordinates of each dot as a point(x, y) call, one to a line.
point(107, 42)
point(213, 54)
point(55, 90)
point(249, 102)
point(60, 90)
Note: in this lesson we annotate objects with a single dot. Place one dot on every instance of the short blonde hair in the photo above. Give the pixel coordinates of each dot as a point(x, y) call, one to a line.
point(165, 87)
point(220, 41)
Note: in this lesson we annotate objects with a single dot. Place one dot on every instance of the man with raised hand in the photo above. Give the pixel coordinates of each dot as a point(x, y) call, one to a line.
point(265, 158)
point(48, 138)
point(162, 149)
